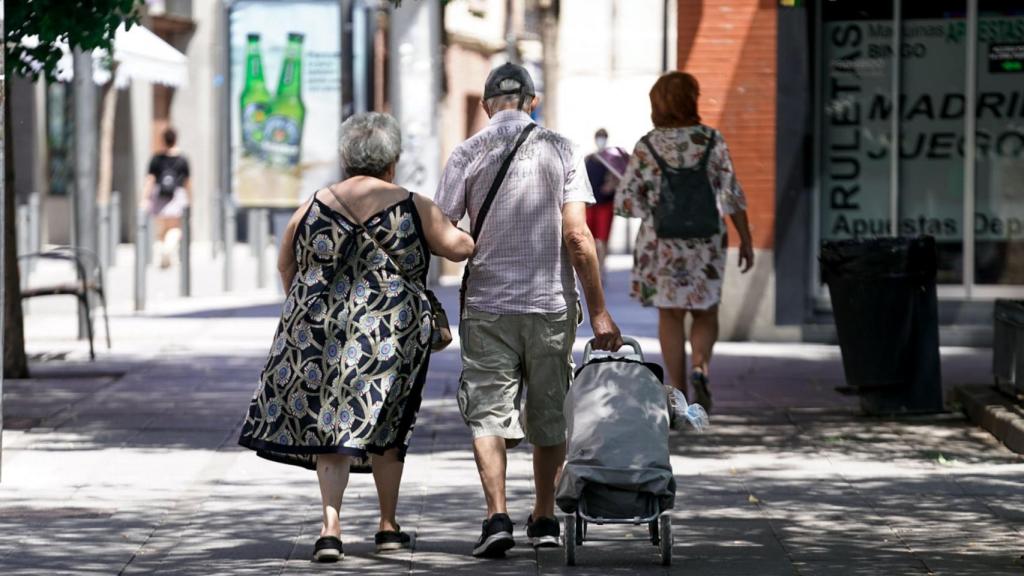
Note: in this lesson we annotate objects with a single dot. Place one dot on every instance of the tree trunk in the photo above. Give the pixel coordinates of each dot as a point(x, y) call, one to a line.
point(15, 361)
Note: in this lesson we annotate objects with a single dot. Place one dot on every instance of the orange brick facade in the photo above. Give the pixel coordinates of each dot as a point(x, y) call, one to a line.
point(730, 46)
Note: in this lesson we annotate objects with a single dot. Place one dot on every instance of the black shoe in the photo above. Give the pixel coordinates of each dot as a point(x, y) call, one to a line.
point(328, 549)
point(543, 532)
point(496, 537)
point(702, 395)
point(391, 540)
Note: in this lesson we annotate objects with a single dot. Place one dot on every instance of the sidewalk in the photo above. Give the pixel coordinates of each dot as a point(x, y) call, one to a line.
point(130, 466)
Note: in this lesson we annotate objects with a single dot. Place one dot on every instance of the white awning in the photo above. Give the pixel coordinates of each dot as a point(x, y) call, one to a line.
point(140, 55)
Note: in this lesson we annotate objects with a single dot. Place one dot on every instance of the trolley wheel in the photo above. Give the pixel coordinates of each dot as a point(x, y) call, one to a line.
point(581, 530)
point(652, 529)
point(570, 540)
point(665, 533)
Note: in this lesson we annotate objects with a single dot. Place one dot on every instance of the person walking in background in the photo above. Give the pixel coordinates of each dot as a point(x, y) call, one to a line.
point(680, 182)
point(166, 194)
point(520, 314)
point(604, 168)
point(343, 383)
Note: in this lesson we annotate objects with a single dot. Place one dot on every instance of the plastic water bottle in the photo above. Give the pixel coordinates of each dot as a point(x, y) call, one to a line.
point(692, 413)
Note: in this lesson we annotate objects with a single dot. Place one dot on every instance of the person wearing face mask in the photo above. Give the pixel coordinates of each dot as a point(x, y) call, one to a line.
point(605, 168)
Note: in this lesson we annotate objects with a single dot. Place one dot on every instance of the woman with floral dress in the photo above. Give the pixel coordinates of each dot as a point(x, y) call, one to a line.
point(682, 276)
point(343, 383)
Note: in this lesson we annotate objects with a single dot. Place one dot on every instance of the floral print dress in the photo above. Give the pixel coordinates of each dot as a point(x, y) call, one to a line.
point(670, 272)
point(346, 371)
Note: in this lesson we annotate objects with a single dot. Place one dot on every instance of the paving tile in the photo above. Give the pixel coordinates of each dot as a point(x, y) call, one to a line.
point(138, 472)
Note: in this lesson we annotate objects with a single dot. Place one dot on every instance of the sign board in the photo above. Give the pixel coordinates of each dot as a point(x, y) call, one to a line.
point(858, 140)
point(285, 99)
point(1006, 58)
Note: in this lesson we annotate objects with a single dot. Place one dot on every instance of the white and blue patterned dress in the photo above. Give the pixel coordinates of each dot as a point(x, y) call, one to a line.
point(348, 363)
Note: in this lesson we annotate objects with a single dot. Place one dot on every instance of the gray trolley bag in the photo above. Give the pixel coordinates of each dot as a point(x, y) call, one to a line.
point(617, 467)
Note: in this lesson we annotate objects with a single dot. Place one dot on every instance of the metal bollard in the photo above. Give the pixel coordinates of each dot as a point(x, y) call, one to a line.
point(216, 232)
point(21, 240)
point(148, 239)
point(230, 232)
point(251, 231)
point(115, 226)
point(35, 227)
point(185, 253)
point(103, 219)
point(142, 234)
point(262, 225)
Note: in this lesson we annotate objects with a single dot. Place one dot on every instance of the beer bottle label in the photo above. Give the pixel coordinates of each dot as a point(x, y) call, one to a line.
point(281, 140)
point(254, 116)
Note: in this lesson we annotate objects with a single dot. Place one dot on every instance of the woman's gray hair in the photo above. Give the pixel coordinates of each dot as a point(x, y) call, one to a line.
point(370, 143)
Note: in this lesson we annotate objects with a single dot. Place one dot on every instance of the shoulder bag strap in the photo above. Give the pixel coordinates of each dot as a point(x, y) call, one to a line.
point(359, 226)
point(486, 207)
point(498, 180)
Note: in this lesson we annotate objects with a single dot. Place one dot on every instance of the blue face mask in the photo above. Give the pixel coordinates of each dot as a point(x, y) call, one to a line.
point(601, 143)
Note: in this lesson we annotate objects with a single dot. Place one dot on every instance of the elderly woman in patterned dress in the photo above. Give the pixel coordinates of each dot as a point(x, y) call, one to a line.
point(343, 383)
point(678, 276)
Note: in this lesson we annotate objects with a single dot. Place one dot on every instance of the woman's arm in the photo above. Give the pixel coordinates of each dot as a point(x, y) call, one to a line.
point(739, 219)
point(731, 199)
point(443, 238)
point(146, 197)
point(286, 264)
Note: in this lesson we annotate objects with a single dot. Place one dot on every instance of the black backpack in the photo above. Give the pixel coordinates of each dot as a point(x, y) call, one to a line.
point(170, 179)
point(687, 207)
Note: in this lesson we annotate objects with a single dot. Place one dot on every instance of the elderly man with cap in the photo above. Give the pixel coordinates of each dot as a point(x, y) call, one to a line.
point(525, 189)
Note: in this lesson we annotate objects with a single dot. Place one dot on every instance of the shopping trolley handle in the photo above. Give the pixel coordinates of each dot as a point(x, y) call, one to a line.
point(626, 341)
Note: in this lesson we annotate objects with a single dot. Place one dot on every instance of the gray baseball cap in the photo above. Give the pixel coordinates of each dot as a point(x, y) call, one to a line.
point(508, 79)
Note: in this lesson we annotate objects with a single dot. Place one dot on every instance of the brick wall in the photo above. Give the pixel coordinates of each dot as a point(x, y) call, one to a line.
point(729, 45)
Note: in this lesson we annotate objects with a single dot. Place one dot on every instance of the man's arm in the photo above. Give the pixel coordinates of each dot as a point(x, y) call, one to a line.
point(583, 253)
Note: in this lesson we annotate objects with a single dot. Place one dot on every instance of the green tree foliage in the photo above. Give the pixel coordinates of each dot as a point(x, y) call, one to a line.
point(85, 24)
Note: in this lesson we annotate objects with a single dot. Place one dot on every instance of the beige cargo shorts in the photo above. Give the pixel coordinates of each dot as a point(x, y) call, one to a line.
point(507, 356)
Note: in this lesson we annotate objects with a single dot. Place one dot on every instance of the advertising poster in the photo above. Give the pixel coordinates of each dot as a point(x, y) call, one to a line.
point(285, 99)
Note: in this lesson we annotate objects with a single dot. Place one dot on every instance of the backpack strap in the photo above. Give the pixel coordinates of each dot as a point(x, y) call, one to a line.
point(657, 157)
point(707, 151)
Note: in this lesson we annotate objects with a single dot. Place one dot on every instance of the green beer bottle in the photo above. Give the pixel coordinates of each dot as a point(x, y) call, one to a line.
point(282, 134)
point(255, 99)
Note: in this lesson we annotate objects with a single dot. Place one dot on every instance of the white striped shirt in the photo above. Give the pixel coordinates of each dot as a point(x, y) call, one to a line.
point(521, 264)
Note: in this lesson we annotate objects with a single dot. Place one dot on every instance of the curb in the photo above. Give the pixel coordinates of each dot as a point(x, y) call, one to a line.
point(997, 413)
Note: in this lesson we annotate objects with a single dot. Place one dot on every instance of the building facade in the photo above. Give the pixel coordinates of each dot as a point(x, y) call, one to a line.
point(878, 118)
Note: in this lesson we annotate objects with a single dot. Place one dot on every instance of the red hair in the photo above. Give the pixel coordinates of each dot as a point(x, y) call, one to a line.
point(674, 100)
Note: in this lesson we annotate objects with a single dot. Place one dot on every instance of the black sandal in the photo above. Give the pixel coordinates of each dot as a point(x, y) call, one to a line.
point(328, 549)
point(392, 540)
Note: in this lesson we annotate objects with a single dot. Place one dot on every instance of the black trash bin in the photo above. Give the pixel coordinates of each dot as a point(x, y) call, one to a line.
point(886, 313)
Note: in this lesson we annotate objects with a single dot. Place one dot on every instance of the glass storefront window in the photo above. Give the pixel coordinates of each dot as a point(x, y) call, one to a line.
point(933, 64)
point(867, 191)
point(856, 135)
point(999, 162)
